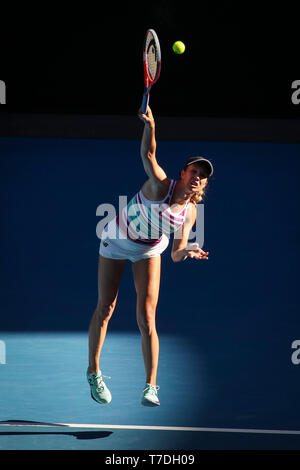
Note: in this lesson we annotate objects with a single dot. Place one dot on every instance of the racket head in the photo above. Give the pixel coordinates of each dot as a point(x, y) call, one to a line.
point(151, 58)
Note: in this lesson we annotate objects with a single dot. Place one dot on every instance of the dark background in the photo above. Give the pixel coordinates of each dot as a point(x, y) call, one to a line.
point(240, 59)
point(247, 291)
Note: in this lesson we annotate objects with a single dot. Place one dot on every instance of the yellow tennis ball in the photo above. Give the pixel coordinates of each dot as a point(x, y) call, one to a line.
point(178, 47)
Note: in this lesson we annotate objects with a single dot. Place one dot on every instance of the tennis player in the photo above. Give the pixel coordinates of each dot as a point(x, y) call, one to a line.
point(140, 233)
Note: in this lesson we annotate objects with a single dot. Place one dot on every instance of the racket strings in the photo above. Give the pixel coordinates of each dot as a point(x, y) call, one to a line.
point(152, 57)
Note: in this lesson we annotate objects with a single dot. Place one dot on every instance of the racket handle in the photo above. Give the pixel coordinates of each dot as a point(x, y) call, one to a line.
point(145, 103)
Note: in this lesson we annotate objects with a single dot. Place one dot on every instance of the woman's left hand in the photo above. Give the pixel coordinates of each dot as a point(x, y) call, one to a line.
point(194, 251)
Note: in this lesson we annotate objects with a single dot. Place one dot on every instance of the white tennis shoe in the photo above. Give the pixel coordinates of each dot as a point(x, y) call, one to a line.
point(99, 391)
point(150, 397)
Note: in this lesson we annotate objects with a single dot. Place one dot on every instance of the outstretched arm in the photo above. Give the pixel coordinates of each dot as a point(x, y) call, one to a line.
point(148, 148)
point(181, 249)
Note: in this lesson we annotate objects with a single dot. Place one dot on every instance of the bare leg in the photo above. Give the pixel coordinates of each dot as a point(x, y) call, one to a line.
point(147, 281)
point(109, 275)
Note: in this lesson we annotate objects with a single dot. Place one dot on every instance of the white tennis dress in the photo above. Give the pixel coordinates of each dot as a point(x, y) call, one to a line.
point(142, 229)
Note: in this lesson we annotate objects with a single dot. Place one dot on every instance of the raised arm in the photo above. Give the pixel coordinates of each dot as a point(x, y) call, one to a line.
point(181, 249)
point(148, 148)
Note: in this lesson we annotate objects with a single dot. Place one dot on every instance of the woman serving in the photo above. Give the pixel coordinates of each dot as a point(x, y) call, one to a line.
point(140, 233)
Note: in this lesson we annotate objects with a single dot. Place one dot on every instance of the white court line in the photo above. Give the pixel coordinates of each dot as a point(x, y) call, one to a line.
point(152, 428)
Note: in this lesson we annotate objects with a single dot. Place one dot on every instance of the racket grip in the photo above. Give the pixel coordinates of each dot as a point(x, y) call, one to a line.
point(145, 103)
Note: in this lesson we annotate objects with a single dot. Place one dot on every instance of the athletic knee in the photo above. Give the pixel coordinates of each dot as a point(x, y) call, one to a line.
point(104, 311)
point(146, 319)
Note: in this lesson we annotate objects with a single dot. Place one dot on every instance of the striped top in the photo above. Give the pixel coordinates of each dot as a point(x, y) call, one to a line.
point(144, 221)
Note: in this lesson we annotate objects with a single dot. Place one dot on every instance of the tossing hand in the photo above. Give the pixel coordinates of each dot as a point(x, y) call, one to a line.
point(194, 251)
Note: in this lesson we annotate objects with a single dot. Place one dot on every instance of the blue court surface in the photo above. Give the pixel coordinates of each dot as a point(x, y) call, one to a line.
point(229, 329)
point(45, 401)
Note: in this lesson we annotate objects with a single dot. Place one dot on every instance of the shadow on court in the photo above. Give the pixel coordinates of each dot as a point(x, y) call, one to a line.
point(81, 435)
point(22, 422)
point(141, 440)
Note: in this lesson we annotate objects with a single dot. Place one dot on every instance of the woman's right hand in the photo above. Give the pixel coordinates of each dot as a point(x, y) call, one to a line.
point(148, 118)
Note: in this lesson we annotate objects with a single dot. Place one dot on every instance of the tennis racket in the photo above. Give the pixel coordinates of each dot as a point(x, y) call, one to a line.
point(152, 65)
